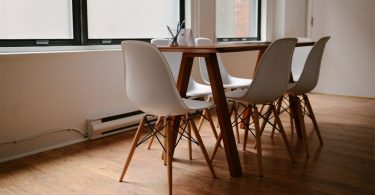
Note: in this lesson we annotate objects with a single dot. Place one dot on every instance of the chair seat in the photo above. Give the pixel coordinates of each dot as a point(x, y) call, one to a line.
point(198, 90)
point(292, 89)
point(296, 77)
point(197, 105)
point(291, 85)
point(236, 95)
point(229, 81)
point(235, 82)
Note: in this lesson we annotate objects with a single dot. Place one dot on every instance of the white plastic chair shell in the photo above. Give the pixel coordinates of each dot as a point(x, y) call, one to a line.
point(310, 74)
point(299, 58)
point(272, 76)
point(149, 82)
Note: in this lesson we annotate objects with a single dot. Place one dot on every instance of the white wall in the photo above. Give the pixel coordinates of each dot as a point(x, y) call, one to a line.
point(296, 18)
point(289, 18)
point(279, 19)
point(349, 61)
point(40, 92)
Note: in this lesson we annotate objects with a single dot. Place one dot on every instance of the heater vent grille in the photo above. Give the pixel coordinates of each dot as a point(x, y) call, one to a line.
point(112, 124)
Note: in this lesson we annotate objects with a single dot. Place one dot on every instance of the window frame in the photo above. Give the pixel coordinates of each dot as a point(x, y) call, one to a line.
point(259, 27)
point(76, 6)
point(109, 41)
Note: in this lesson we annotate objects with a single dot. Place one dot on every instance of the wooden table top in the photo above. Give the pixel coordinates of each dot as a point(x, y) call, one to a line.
point(224, 47)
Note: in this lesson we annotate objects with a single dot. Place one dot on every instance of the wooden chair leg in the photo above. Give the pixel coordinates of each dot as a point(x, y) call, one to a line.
point(164, 154)
point(245, 116)
point(245, 137)
point(203, 114)
point(273, 127)
point(255, 117)
point(216, 146)
point(151, 142)
point(300, 116)
point(279, 103)
point(309, 108)
point(209, 117)
point(132, 149)
point(291, 124)
point(201, 145)
point(261, 109)
point(189, 141)
point(157, 125)
point(201, 119)
point(234, 111)
point(266, 118)
point(169, 148)
point(247, 126)
point(282, 131)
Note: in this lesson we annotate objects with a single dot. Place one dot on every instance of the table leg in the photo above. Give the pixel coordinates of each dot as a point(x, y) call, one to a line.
point(293, 101)
point(223, 115)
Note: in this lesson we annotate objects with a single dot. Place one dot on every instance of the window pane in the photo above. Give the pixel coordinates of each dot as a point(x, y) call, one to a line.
point(36, 19)
point(116, 19)
point(236, 18)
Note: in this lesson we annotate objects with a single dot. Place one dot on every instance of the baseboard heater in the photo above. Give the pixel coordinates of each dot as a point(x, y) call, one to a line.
point(112, 124)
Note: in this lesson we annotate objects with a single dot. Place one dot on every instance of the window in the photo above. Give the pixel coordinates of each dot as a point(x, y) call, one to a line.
point(111, 21)
point(73, 22)
point(39, 22)
point(238, 20)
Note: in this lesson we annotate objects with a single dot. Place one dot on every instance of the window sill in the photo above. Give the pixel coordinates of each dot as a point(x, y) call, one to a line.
point(56, 49)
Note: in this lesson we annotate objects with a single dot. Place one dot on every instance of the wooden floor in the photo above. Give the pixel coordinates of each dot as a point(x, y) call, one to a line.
point(343, 165)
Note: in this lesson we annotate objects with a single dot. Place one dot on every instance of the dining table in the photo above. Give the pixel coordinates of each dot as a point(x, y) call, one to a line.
point(209, 53)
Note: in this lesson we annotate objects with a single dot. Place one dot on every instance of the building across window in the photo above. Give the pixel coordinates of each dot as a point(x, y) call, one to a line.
point(238, 20)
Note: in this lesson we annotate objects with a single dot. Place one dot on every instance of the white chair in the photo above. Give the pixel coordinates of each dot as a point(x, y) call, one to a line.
point(276, 64)
point(229, 82)
point(195, 90)
point(299, 58)
point(150, 86)
point(306, 83)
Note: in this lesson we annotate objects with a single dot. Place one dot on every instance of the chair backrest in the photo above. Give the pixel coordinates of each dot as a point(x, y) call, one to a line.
point(149, 81)
point(310, 74)
point(173, 58)
point(273, 72)
point(299, 58)
point(201, 41)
